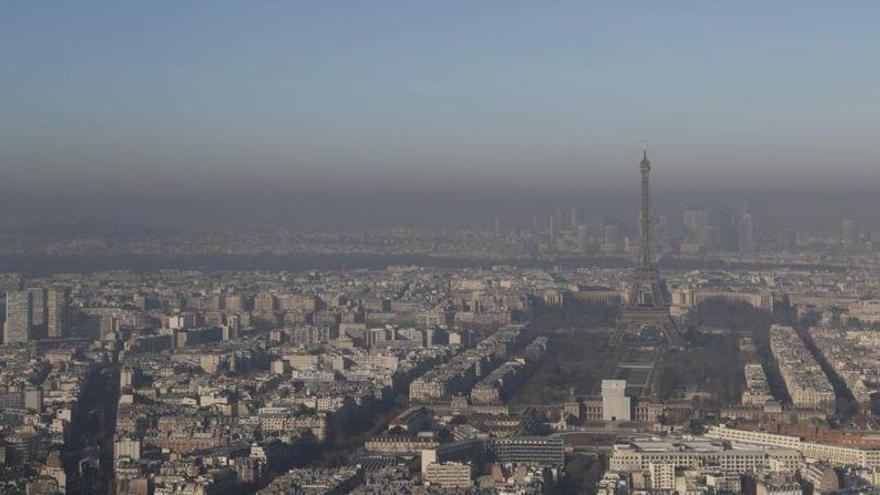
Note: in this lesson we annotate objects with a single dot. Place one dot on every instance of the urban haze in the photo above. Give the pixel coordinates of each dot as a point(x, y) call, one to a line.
point(362, 248)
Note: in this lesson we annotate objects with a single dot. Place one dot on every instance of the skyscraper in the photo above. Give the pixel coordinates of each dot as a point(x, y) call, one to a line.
point(264, 302)
point(696, 226)
point(611, 238)
point(18, 317)
point(56, 312)
point(583, 238)
point(746, 230)
point(724, 224)
point(38, 307)
point(849, 232)
point(38, 312)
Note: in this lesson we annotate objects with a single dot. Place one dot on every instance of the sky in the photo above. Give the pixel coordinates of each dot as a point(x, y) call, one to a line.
point(160, 96)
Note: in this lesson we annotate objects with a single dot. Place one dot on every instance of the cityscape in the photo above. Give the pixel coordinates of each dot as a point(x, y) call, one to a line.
point(278, 248)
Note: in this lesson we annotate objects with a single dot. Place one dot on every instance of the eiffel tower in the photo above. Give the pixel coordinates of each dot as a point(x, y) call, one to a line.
point(647, 306)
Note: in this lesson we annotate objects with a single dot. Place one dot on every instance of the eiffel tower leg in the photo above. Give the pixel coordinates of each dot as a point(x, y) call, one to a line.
point(634, 319)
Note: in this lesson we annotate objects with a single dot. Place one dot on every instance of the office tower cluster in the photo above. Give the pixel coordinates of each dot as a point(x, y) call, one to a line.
point(568, 230)
point(35, 313)
point(854, 236)
point(702, 230)
point(567, 223)
point(717, 229)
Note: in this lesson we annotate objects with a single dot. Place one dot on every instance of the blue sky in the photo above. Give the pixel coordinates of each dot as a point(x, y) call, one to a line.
point(154, 93)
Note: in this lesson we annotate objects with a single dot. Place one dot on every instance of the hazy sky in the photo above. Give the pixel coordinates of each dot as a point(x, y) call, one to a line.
point(177, 94)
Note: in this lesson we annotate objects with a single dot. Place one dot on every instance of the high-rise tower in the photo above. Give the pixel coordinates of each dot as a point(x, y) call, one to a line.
point(57, 300)
point(18, 317)
point(646, 304)
point(746, 226)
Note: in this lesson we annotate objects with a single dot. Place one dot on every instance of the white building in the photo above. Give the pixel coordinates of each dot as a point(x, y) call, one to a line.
point(615, 403)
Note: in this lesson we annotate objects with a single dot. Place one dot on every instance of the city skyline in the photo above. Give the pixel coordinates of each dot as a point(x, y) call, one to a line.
point(380, 248)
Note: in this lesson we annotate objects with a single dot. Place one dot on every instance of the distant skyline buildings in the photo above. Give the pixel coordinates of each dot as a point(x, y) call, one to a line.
point(57, 317)
point(38, 309)
point(465, 205)
point(36, 313)
point(724, 226)
point(17, 328)
point(849, 233)
point(571, 228)
point(699, 229)
point(746, 226)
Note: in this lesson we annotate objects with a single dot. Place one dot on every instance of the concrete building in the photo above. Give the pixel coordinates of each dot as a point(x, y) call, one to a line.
point(688, 298)
point(836, 455)
point(18, 317)
point(757, 391)
point(615, 403)
point(539, 451)
point(448, 475)
point(38, 311)
point(126, 447)
point(804, 378)
point(265, 302)
point(611, 238)
point(696, 225)
point(655, 456)
point(57, 301)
